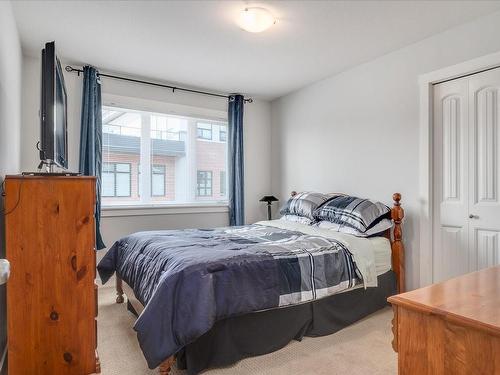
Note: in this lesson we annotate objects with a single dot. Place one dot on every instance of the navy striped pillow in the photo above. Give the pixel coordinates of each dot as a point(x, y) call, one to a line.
point(354, 212)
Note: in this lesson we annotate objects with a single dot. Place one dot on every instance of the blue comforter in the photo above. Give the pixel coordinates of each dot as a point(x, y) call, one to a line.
point(189, 279)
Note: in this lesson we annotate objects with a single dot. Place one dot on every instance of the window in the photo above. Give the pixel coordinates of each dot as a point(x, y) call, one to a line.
point(158, 180)
point(158, 176)
point(150, 158)
point(116, 180)
point(223, 134)
point(163, 127)
point(204, 181)
point(223, 183)
point(204, 131)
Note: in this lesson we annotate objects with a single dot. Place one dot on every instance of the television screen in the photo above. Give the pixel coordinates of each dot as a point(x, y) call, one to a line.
point(53, 125)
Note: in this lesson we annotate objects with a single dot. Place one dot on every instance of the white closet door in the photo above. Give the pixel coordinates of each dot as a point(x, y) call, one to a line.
point(484, 169)
point(450, 256)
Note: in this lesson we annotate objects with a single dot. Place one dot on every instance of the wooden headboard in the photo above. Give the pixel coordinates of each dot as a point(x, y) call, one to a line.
point(397, 247)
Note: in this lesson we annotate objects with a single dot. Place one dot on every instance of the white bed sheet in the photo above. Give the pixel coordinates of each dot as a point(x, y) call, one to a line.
point(372, 255)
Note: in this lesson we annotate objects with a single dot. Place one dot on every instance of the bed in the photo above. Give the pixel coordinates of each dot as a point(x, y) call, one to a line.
point(208, 298)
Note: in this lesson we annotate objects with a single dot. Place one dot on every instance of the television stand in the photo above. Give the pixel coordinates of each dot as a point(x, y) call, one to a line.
point(51, 174)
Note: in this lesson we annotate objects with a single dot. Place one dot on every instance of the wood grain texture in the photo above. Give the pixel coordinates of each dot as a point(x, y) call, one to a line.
point(472, 300)
point(397, 247)
point(50, 242)
point(394, 328)
point(451, 327)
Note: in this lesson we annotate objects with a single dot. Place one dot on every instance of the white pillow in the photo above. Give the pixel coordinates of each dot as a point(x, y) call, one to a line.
point(380, 227)
point(297, 219)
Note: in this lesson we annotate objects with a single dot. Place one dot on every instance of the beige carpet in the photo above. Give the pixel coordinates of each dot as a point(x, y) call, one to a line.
point(361, 349)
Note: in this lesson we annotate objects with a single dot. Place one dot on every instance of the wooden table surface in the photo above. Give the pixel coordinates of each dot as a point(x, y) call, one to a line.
point(472, 300)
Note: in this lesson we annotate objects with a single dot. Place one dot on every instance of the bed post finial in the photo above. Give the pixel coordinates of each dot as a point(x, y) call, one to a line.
point(398, 259)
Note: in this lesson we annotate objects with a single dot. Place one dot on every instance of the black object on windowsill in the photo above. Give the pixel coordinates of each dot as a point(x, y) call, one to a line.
point(269, 199)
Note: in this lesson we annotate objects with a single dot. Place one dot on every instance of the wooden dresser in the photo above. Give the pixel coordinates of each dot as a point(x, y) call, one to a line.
point(51, 294)
point(450, 328)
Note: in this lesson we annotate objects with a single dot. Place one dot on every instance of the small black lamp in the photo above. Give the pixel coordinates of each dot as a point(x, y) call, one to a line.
point(269, 199)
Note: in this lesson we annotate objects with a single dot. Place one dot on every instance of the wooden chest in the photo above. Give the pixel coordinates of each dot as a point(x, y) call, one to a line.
point(51, 294)
point(450, 328)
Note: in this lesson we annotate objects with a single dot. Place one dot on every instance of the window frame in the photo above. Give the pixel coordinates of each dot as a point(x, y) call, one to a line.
point(201, 136)
point(223, 132)
point(164, 174)
point(115, 172)
point(223, 183)
point(211, 179)
point(156, 207)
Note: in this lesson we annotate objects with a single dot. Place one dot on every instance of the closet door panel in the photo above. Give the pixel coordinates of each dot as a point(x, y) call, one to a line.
point(451, 257)
point(488, 249)
point(484, 168)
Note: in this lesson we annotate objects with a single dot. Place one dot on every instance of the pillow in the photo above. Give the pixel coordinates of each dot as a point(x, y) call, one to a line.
point(378, 229)
point(357, 213)
point(304, 204)
point(297, 219)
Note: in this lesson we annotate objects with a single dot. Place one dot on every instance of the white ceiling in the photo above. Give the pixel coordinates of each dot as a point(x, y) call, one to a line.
point(197, 43)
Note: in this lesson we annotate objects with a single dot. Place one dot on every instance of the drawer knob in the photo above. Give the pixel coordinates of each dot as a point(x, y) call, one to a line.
point(68, 357)
point(54, 315)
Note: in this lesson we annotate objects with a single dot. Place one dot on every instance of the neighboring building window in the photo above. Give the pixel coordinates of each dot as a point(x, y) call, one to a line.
point(223, 183)
point(204, 184)
point(158, 176)
point(158, 180)
point(116, 180)
point(204, 131)
point(139, 180)
point(223, 134)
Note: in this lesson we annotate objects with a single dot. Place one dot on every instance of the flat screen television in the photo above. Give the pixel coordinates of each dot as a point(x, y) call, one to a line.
point(53, 144)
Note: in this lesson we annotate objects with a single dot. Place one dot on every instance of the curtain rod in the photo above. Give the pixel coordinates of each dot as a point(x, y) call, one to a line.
point(70, 69)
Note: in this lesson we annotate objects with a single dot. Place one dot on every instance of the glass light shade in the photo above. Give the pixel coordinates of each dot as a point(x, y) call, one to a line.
point(256, 20)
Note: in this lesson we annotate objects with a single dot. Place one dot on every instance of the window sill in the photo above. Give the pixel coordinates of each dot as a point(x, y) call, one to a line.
point(163, 209)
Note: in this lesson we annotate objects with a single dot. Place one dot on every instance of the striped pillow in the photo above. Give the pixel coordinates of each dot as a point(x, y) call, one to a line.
point(357, 213)
point(304, 204)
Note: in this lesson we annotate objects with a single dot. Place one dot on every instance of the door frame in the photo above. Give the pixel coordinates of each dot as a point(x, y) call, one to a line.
point(426, 150)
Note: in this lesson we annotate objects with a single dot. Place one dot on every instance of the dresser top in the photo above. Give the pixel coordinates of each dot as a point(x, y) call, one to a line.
point(46, 177)
point(472, 299)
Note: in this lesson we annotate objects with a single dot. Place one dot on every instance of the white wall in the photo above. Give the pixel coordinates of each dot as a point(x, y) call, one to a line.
point(10, 123)
point(357, 132)
point(10, 92)
point(256, 136)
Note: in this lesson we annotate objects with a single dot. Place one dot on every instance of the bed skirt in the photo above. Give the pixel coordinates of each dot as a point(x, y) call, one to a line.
point(233, 339)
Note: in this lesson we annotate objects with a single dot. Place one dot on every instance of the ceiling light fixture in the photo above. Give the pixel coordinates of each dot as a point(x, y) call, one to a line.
point(256, 20)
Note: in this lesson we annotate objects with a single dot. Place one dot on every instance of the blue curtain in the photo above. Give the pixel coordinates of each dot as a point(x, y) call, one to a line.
point(235, 160)
point(91, 139)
